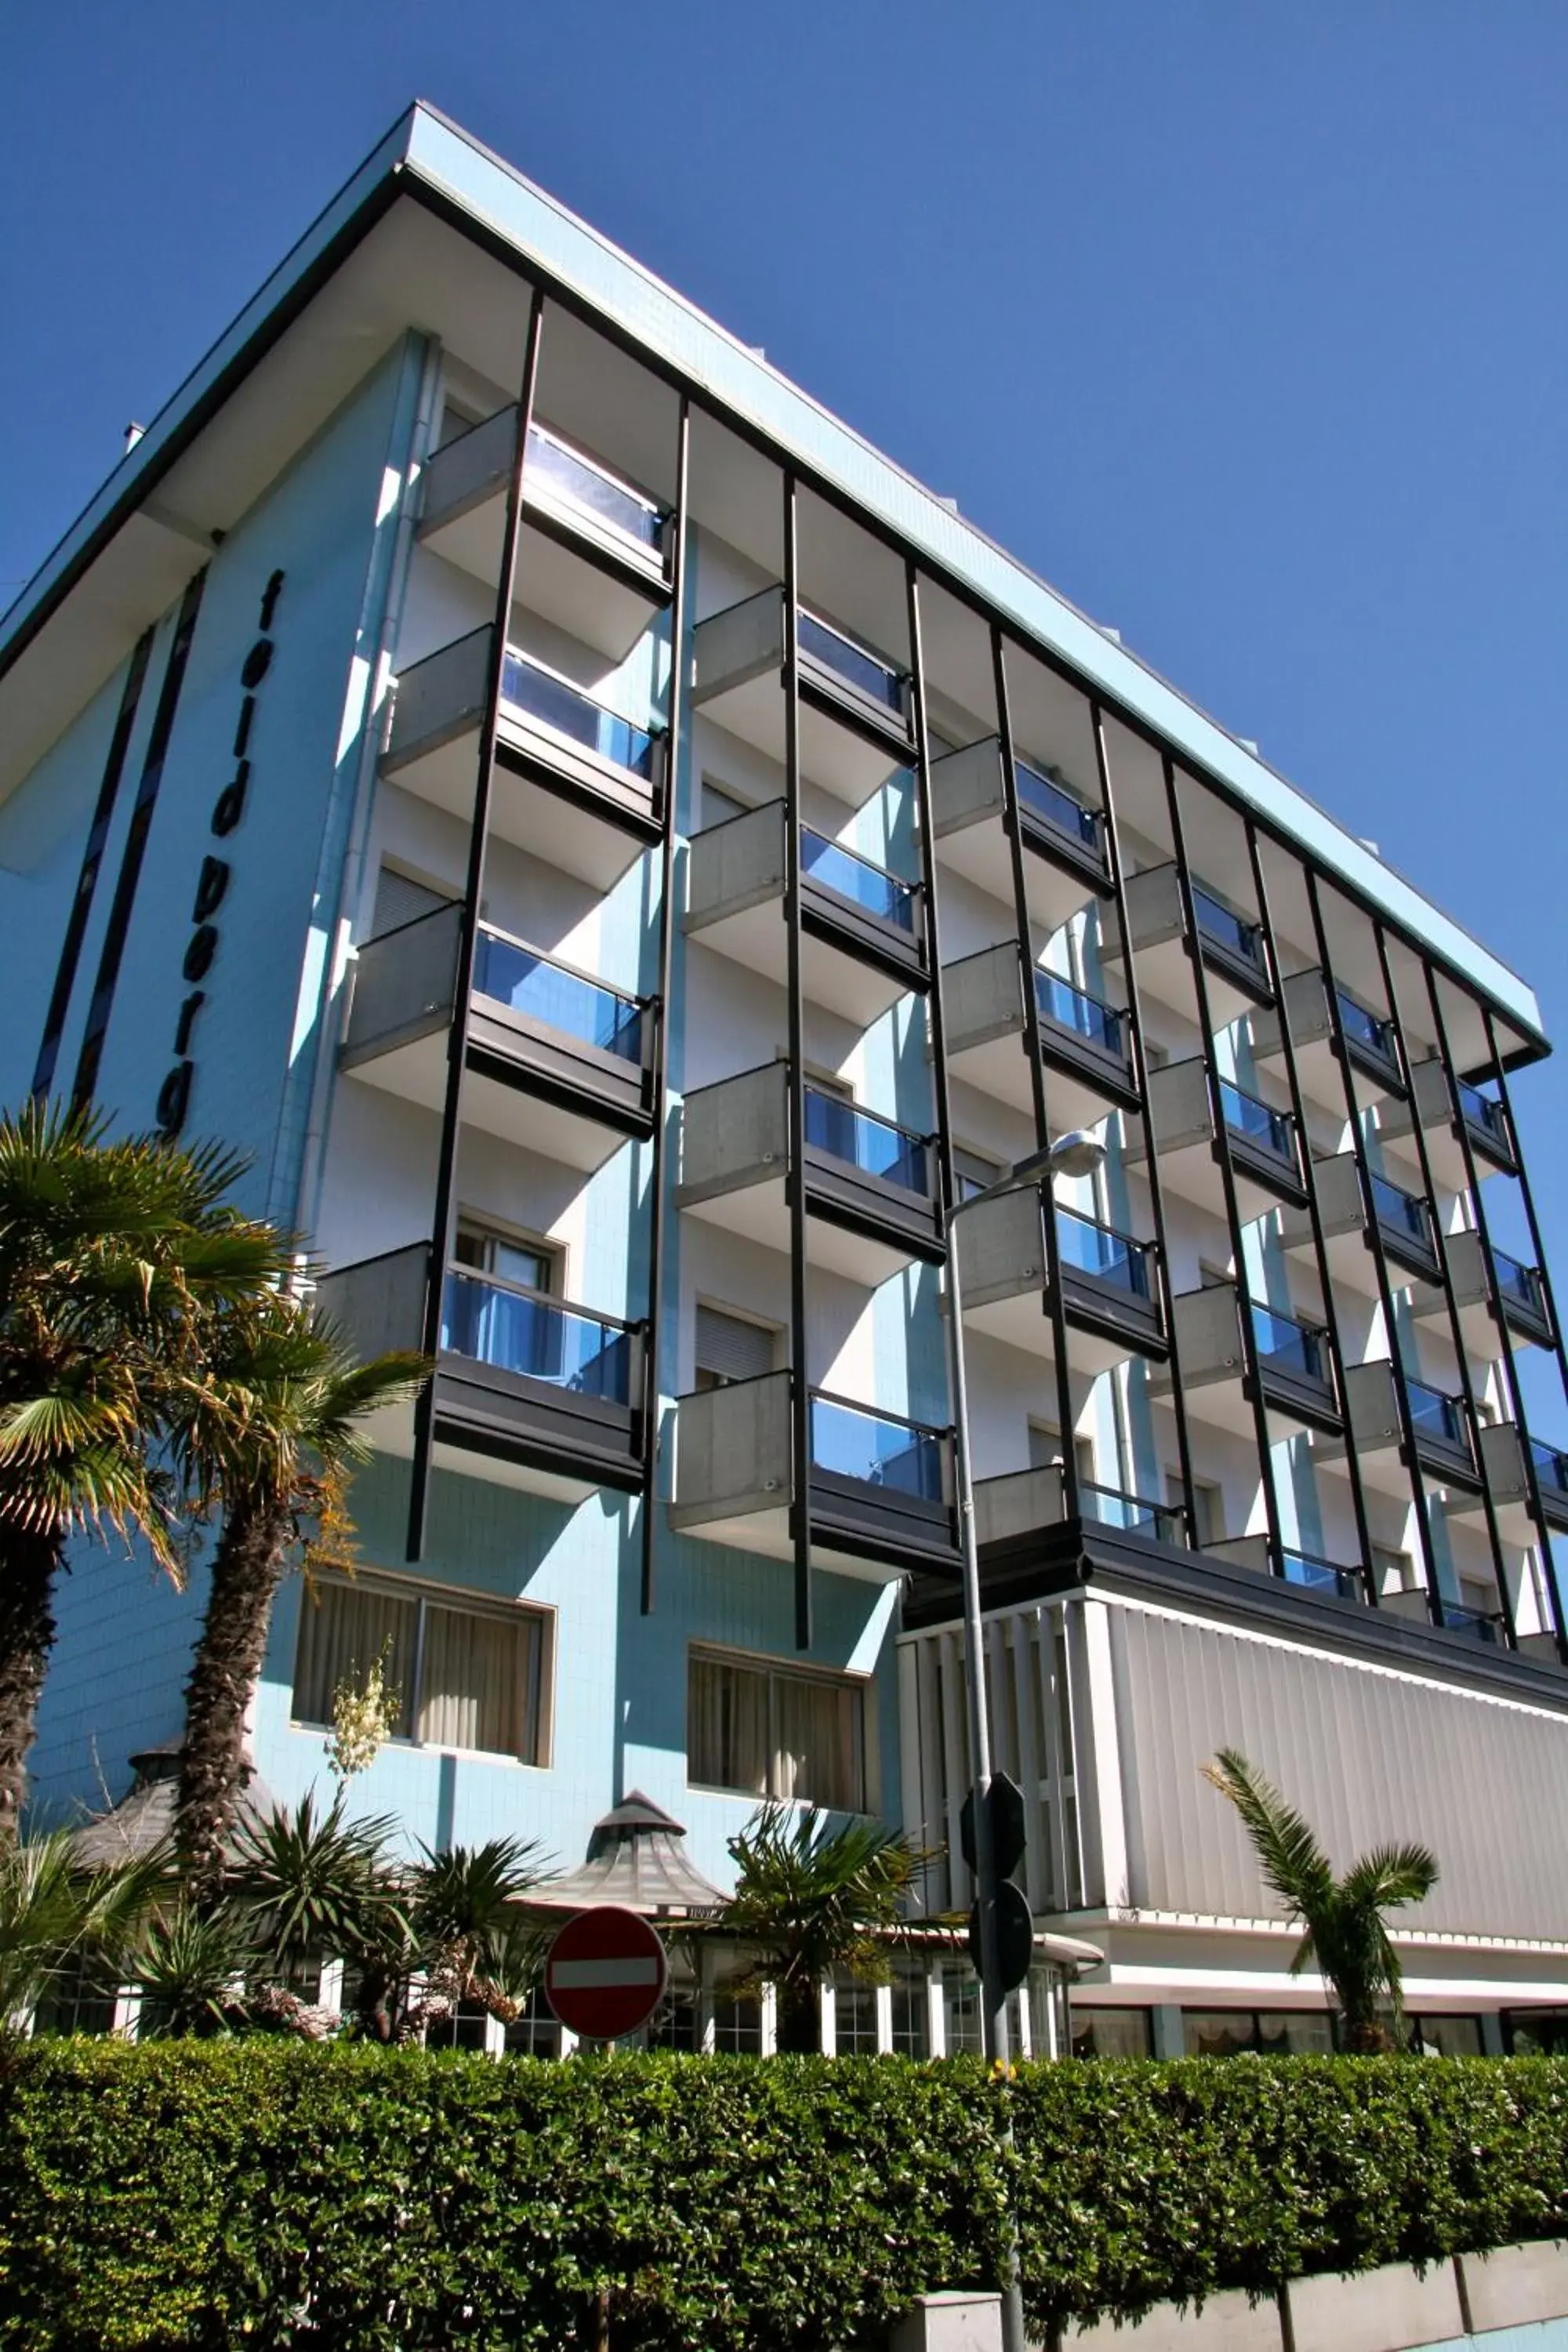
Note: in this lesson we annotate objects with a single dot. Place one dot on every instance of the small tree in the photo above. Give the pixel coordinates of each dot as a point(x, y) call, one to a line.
point(814, 1903)
point(53, 1913)
point(1347, 1934)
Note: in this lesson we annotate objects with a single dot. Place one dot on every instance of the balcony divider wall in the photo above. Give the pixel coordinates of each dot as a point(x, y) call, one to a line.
point(468, 942)
point(1456, 1327)
point(1254, 1376)
point(1314, 1206)
point(1150, 1157)
point(1516, 1387)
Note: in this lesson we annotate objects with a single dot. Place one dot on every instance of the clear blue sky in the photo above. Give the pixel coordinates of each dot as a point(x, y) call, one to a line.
point(1244, 325)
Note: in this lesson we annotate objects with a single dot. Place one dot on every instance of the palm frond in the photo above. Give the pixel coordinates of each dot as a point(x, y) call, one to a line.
point(1293, 1864)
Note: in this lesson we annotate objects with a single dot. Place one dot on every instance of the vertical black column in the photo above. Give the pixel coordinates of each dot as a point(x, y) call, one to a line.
point(1055, 1297)
point(1314, 1208)
point(1533, 1476)
point(467, 936)
point(679, 659)
point(1380, 1259)
point(799, 1393)
point(1254, 1381)
point(1150, 1154)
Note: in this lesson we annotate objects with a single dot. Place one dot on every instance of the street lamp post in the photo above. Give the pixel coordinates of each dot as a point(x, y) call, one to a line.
point(1076, 1154)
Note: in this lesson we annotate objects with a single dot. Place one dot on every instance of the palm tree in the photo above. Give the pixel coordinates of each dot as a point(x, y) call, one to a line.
point(814, 1902)
point(111, 1257)
point(1347, 1934)
point(474, 1944)
point(53, 1913)
point(316, 1886)
point(272, 1432)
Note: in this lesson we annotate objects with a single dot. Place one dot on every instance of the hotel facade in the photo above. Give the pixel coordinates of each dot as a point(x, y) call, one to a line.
point(629, 864)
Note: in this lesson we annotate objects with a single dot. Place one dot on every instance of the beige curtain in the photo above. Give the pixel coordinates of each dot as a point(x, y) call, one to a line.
point(342, 1634)
point(727, 1729)
point(818, 1742)
point(478, 1672)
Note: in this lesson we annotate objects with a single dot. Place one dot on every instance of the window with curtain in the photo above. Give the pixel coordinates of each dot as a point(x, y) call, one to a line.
point(770, 1731)
point(467, 1676)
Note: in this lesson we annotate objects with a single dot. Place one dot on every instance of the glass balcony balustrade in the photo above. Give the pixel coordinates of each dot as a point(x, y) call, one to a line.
point(525, 1332)
point(866, 1141)
point(877, 680)
point(546, 992)
point(1059, 807)
point(1256, 1122)
point(1484, 1111)
point(582, 481)
point(1478, 1624)
point(850, 1441)
point(1367, 1029)
point(1436, 1414)
point(1321, 1576)
point(1089, 1247)
point(1550, 1468)
point(1519, 1284)
point(855, 878)
point(528, 686)
point(1109, 1507)
point(1284, 1345)
point(1223, 928)
point(1083, 1015)
point(1403, 1214)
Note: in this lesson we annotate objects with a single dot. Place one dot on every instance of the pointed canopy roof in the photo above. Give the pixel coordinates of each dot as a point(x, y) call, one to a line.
point(635, 1859)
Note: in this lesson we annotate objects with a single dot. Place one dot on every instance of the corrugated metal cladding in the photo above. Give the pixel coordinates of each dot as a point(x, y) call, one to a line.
point(1366, 1755)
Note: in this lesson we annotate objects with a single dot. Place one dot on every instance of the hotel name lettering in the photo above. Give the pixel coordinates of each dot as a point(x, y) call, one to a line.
point(211, 885)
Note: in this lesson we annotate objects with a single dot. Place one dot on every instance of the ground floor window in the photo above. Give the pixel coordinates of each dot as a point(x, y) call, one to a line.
point(738, 2024)
point(1112, 2032)
point(911, 2017)
point(677, 2025)
point(1226, 2033)
point(855, 2020)
point(1445, 2037)
point(81, 1999)
point(776, 1731)
point(534, 2033)
point(469, 1674)
point(1535, 2032)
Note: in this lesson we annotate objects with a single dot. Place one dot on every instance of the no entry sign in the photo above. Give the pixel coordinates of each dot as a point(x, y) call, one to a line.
point(605, 1974)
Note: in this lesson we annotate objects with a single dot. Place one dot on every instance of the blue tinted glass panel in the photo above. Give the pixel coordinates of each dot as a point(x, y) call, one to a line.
point(1060, 808)
point(1484, 1111)
point(576, 478)
point(1521, 1282)
point(1254, 1119)
point(1100, 1250)
point(876, 679)
point(530, 984)
point(575, 715)
point(1321, 1576)
point(1069, 1008)
point(521, 1333)
point(853, 1444)
point(1227, 930)
point(1366, 1028)
point(856, 878)
point(874, 1144)
point(1436, 1413)
point(1112, 1509)
point(1401, 1212)
point(1291, 1346)
point(1551, 1467)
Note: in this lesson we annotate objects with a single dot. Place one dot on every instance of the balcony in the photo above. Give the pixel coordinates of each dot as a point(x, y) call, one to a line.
point(576, 782)
point(1085, 1045)
point(1231, 944)
point(1304, 1569)
point(1065, 837)
point(595, 550)
point(557, 1062)
point(1262, 1142)
point(1520, 1295)
point(1552, 1477)
point(1441, 1111)
point(550, 1392)
point(863, 942)
point(1109, 1281)
point(1508, 1485)
point(1370, 1046)
point(855, 722)
point(1405, 1227)
point(1441, 1423)
point(870, 1191)
point(880, 1491)
point(1210, 1361)
point(1012, 1512)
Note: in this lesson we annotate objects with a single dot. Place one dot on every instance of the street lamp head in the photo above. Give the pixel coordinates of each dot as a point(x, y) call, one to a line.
point(1078, 1153)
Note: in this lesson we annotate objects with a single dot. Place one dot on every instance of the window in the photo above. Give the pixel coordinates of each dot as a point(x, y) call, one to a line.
point(532, 1264)
point(855, 2020)
point(1446, 2037)
point(400, 899)
point(465, 2027)
point(961, 2011)
point(775, 1731)
point(972, 1172)
point(1396, 1570)
point(1208, 1504)
point(1045, 1446)
point(676, 2024)
point(1110, 2032)
point(533, 2031)
point(718, 804)
point(738, 2024)
point(469, 1674)
point(731, 1348)
point(911, 2017)
point(1226, 2033)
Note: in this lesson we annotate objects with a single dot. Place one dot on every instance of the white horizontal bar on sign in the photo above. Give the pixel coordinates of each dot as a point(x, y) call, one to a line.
point(572, 1975)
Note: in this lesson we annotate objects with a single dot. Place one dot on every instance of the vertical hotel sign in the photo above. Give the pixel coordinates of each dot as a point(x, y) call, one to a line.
point(212, 885)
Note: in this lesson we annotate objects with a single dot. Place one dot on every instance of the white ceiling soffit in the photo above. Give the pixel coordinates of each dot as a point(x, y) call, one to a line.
point(427, 148)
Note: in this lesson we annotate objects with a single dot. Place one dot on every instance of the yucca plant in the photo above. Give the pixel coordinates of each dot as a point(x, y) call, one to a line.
point(1344, 1917)
point(113, 1254)
point(54, 1914)
point(473, 1944)
point(812, 1903)
point(317, 1885)
point(191, 1967)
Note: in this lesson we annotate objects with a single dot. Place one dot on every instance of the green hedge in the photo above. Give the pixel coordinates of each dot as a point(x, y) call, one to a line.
point(215, 2193)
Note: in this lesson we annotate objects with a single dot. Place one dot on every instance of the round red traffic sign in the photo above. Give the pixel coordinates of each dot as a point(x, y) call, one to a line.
point(607, 1973)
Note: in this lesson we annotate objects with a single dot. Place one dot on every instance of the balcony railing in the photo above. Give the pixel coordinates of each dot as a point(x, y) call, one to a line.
point(1550, 1468)
point(856, 878)
point(869, 676)
point(1257, 1122)
point(1059, 807)
point(1083, 1015)
point(1478, 1624)
point(866, 1140)
point(1092, 1248)
point(1402, 1214)
point(519, 1331)
point(851, 1440)
point(1366, 1029)
point(1484, 1112)
point(1315, 1575)
point(1109, 1507)
point(1437, 1415)
point(1519, 1284)
point(530, 983)
point(528, 686)
point(1286, 1346)
point(1223, 928)
point(583, 482)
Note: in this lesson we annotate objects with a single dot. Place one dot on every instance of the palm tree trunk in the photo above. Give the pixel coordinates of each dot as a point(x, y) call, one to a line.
point(248, 1568)
point(798, 2033)
point(28, 1564)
